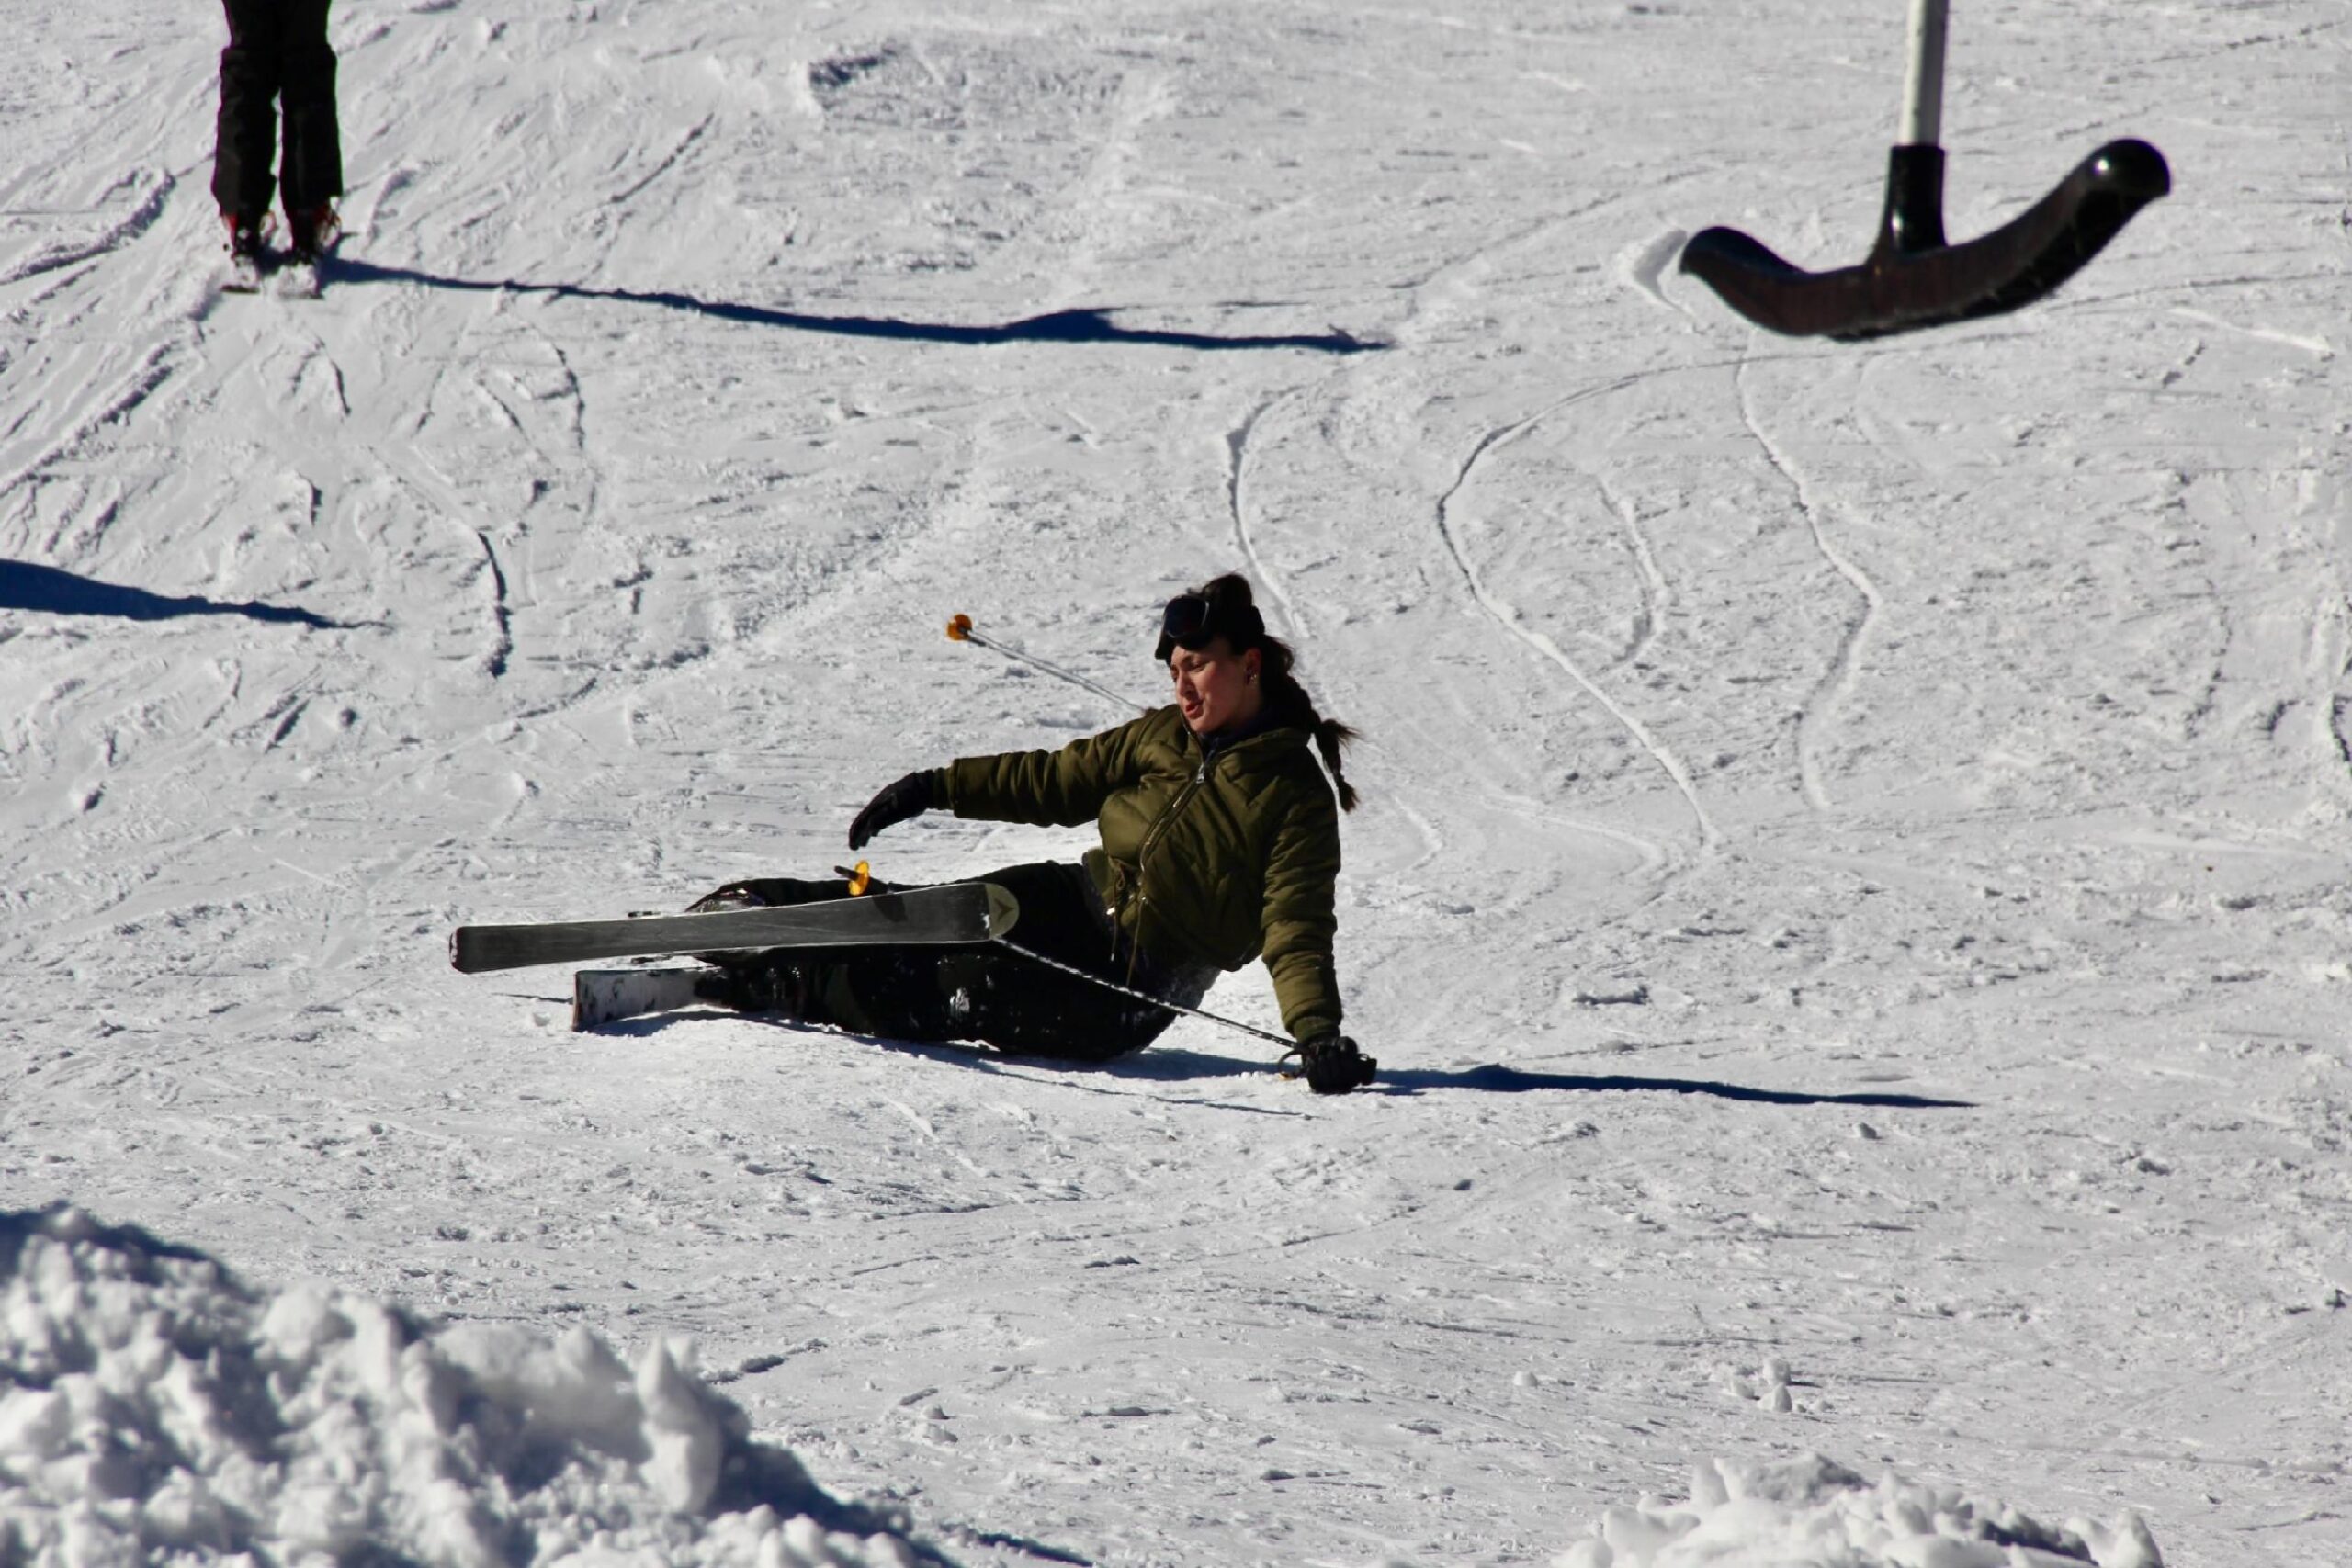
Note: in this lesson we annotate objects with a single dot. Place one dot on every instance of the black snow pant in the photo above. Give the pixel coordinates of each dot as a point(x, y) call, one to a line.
point(982, 991)
point(277, 56)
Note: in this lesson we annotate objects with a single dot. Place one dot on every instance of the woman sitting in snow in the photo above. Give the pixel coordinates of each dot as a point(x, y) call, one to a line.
point(1220, 842)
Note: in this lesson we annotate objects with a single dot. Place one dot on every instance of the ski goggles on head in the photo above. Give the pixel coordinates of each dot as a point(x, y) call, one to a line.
point(1194, 620)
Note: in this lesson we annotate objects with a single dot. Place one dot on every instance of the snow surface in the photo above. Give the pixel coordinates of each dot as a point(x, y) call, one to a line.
point(1808, 1511)
point(157, 1410)
point(1852, 897)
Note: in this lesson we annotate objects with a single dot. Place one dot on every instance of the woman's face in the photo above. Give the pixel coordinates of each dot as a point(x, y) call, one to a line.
point(1216, 687)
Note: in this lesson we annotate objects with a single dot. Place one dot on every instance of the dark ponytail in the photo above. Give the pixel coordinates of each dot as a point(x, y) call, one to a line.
point(1286, 700)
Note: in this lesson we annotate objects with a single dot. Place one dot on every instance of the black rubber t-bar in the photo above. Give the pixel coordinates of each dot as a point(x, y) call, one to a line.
point(1911, 278)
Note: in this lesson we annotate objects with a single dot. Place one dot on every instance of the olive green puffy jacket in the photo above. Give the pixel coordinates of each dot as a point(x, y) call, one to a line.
point(1219, 860)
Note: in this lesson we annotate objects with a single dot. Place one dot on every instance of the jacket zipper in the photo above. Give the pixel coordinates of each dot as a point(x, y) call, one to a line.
point(1143, 855)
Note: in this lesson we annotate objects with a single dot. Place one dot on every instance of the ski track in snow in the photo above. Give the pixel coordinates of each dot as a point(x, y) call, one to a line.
point(104, 406)
point(118, 232)
point(1511, 621)
point(1652, 857)
point(1973, 1105)
point(1820, 709)
point(1237, 459)
point(1658, 595)
point(2335, 697)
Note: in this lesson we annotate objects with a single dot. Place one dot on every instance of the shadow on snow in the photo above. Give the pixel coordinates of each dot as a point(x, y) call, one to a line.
point(1497, 1079)
point(1176, 1066)
point(1058, 326)
point(49, 590)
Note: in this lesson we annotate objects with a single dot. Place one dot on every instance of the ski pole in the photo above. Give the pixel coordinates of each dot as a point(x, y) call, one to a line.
point(860, 878)
point(960, 630)
point(1290, 1048)
point(1146, 995)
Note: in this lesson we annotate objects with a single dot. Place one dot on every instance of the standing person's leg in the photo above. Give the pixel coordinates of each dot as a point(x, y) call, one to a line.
point(312, 175)
point(245, 139)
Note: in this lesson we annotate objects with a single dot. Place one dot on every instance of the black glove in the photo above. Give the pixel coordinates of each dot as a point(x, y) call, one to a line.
point(910, 797)
point(1332, 1064)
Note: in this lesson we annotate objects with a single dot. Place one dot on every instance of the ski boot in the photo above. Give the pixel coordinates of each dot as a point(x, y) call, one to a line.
point(764, 983)
point(248, 251)
point(756, 981)
point(312, 234)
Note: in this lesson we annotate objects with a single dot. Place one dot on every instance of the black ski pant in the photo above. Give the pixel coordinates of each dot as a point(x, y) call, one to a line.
point(277, 58)
point(981, 991)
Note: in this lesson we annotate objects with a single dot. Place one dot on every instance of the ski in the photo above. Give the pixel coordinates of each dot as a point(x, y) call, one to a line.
point(274, 273)
point(295, 279)
point(957, 913)
point(280, 272)
point(606, 996)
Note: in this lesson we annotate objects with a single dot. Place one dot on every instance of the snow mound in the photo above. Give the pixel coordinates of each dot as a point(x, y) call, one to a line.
point(1809, 1513)
point(154, 1410)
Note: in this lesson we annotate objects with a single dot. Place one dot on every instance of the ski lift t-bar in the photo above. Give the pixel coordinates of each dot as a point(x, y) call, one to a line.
point(1911, 278)
point(1923, 76)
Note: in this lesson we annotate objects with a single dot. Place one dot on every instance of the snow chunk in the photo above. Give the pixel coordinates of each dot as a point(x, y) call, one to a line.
point(1809, 1513)
point(157, 1409)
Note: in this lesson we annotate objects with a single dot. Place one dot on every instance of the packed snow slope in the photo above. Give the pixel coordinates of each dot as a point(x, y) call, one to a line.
point(1852, 895)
